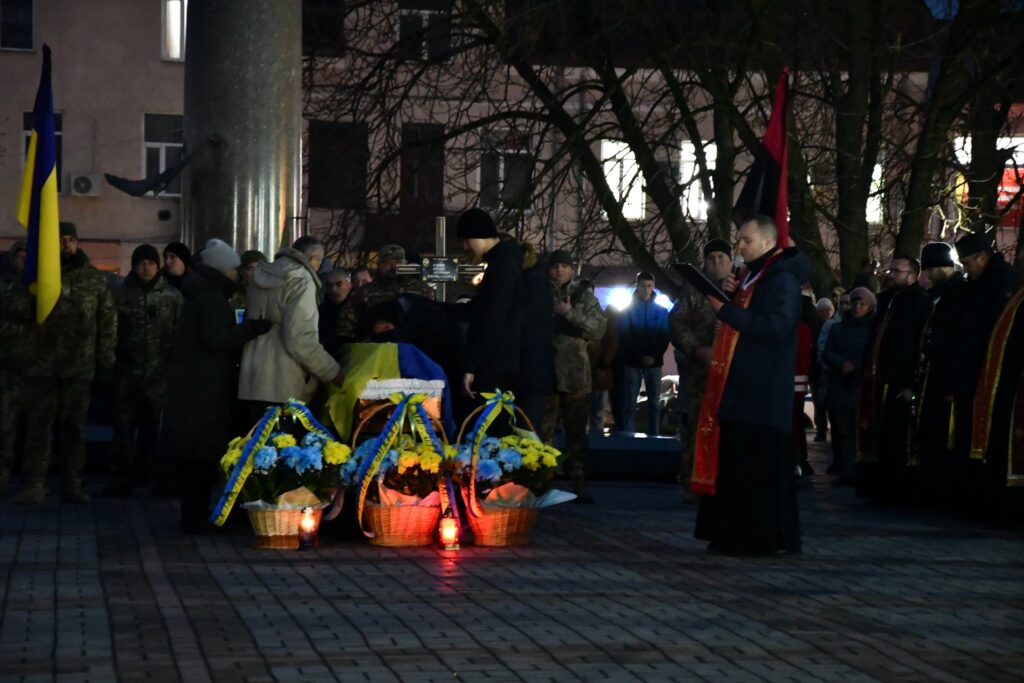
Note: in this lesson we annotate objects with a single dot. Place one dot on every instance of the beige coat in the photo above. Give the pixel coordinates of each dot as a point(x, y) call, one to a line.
point(287, 361)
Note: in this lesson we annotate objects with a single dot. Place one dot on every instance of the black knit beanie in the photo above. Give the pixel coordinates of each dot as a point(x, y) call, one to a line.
point(145, 252)
point(475, 223)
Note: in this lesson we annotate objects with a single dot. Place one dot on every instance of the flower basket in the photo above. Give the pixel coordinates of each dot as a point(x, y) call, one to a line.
point(501, 526)
point(376, 396)
point(278, 527)
point(513, 472)
point(402, 525)
point(397, 475)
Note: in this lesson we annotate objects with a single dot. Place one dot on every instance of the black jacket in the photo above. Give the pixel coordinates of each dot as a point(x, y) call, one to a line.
point(847, 341)
point(900, 350)
point(495, 315)
point(536, 352)
point(759, 389)
point(202, 384)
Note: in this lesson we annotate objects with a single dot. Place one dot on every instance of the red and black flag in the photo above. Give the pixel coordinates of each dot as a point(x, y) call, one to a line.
point(765, 191)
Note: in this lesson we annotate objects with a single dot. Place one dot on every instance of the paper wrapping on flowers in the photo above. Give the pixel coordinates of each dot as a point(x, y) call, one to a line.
point(392, 497)
point(512, 495)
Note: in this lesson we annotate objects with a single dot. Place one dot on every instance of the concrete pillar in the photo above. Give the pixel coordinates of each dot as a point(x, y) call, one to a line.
point(243, 113)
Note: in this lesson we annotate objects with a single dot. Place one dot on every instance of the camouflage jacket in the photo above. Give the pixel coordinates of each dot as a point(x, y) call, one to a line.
point(585, 322)
point(691, 325)
point(352, 322)
point(17, 318)
point(147, 316)
point(80, 334)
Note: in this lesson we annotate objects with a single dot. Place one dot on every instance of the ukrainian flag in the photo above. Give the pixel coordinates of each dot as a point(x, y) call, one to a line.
point(37, 205)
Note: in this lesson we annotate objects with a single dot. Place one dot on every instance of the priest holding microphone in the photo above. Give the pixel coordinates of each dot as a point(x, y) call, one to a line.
point(743, 468)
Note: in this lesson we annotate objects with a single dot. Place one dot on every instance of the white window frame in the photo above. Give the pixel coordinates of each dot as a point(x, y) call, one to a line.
point(32, 47)
point(874, 210)
point(424, 15)
point(26, 136)
point(173, 18)
point(163, 147)
point(622, 173)
point(694, 203)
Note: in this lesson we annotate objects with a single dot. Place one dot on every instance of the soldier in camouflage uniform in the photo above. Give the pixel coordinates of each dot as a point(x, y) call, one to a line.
point(17, 315)
point(387, 286)
point(692, 326)
point(578, 319)
point(74, 344)
point(147, 314)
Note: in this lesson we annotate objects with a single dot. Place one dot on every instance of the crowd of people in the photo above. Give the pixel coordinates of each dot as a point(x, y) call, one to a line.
point(193, 349)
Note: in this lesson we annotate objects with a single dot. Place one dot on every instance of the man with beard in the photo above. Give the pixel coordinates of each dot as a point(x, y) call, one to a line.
point(885, 470)
point(743, 468)
point(991, 282)
point(147, 315)
point(692, 326)
point(386, 286)
point(71, 348)
point(936, 379)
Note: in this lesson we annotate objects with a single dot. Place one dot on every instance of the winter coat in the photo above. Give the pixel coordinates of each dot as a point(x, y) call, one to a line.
point(584, 322)
point(495, 314)
point(147, 315)
point(199, 413)
point(759, 389)
point(286, 362)
point(643, 331)
point(536, 351)
point(847, 341)
point(79, 336)
point(903, 313)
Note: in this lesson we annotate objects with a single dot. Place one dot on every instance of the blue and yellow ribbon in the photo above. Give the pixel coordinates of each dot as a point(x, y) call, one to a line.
point(257, 439)
point(494, 404)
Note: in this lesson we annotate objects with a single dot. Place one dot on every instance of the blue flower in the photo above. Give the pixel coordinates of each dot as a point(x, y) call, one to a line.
point(489, 444)
point(488, 470)
point(265, 459)
point(312, 439)
point(510, 460)
point(302, 459)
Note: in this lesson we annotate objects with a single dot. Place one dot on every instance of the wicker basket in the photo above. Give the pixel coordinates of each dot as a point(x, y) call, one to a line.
point(401, 525)
point(279, 528)
point(501, 526)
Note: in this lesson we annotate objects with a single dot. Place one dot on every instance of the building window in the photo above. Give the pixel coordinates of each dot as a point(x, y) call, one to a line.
point(424, 29)
point(175, 14)
point(695, 204)
point(422, 169)
point(622, 174)
point(162, 147)
point(58, 127)
point(16, 24)
point(506, 171)
point(338, 155)
point(323, 27)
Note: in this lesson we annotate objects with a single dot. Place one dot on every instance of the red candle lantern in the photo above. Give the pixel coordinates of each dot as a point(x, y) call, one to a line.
point(448, 530)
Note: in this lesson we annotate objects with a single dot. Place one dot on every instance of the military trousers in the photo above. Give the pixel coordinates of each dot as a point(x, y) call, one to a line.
point(62, 403)
point(574, 411)
point(139, 407)
point(10, 411)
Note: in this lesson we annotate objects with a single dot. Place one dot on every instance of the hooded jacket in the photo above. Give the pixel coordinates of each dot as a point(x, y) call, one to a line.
point(759, 389)
point(287, 361)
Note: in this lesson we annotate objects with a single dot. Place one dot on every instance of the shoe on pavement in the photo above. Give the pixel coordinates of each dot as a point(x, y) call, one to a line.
point(33, 494)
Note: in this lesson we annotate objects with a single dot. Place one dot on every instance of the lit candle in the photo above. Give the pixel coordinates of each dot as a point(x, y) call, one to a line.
point(449, 530)
point(307, 529)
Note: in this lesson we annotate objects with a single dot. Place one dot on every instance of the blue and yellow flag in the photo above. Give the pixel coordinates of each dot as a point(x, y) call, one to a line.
point(37, 205)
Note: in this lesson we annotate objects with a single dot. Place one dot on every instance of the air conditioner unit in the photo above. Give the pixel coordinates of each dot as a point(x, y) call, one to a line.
point(85, 184)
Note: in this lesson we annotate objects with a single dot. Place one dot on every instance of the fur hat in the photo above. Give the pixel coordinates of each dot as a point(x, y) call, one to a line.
point(865, 294)
point(219, 255)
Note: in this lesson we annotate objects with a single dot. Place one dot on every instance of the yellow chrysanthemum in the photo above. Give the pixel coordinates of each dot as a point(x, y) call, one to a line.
point(283, 441)
point(450, 452)
point(336, 453)
point(549, 460)
point(406, 460)
point(230, 459)
point(430, 462)
point(531, 460)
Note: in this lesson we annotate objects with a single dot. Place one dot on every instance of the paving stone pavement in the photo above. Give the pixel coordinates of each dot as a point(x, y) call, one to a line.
point(618, 591)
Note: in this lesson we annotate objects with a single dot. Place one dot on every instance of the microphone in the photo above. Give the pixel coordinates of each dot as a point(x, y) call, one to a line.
point(737, 266)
